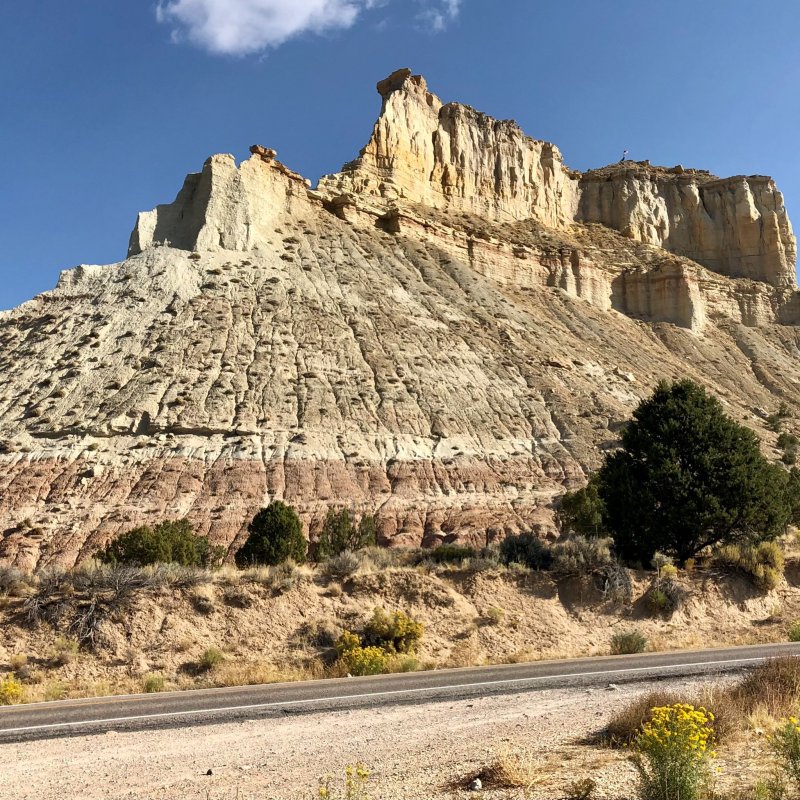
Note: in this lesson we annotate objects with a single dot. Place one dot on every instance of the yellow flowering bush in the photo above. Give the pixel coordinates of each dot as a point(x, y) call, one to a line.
point(11, 691)
point(785, 744)
point(395, 633)
point(674, 750)
point(355, 784)
point(386, 639)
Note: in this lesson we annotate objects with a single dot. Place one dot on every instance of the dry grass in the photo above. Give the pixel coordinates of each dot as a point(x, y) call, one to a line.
point(253, 673)
point(519, 769)
point(769, 692)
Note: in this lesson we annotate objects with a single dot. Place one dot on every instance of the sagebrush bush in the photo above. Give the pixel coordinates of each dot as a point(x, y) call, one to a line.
point(153, 682)
point(763, 562)
point(580, 556)
point(785, 744)
point(11, 691)
point(65, 650)
point(526, 549)
point(283, 577)
point(583, 789)
point(210, 658)
point(627, 643)
point(13, 582)
point(673, 755)
point(794, 631)
point(343, 564)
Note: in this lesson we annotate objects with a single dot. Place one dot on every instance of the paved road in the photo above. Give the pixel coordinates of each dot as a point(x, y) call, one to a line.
point(205, 706)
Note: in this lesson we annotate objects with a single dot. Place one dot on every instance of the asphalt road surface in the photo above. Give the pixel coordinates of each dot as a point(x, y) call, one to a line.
point(206, 706)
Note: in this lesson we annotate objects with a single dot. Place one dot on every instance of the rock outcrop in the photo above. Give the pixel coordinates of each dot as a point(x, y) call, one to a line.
point(737, 226)
point(432, 336)
point(452, 157)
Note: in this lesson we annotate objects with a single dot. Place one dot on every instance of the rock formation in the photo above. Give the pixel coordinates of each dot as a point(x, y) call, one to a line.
point(737, 227)
point(432, 335)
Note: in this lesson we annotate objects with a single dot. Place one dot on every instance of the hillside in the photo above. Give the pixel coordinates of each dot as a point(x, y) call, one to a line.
point(448, 334)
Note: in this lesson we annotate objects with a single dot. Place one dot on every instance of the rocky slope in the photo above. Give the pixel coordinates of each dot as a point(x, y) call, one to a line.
point(442, 334)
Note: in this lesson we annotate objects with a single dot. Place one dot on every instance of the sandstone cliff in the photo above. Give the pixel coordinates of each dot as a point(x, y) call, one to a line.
point(432, 336)
point(738, 226)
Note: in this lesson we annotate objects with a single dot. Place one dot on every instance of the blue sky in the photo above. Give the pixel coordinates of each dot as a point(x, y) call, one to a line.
point(106, 105)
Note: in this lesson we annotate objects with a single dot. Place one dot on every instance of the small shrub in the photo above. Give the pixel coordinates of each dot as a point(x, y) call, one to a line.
point(210, 658)
point(405, 664)
point(451, 554)
point(360, 661)
point(274, 536)
point(18, 663)
point(794, 631)
point(356, 777)
point(56, 691)
point(283, 577)
point(627, 643)
point(527, 549)
point(65, 650)
point(674, 750)
point(153, 682)
point(763, 562)
point(772, 688)
point(167, 543)
point(495, 615)
point(580, 556)
point(661, 560)
point(513, 770)
point(788, 443)
point(785, 744)
point(13, 582)
point(11, 691)
point(658, 601)
point(627, 722)
point(343, 564)
point(395, 633)
point(203, 600)
point(669, 572)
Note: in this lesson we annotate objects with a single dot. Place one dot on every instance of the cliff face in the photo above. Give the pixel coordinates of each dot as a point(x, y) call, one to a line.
point(447, 353)
point(453, 157)
point(737, 227)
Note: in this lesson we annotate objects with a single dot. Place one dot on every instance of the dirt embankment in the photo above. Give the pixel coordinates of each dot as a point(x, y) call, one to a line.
point(283, 623)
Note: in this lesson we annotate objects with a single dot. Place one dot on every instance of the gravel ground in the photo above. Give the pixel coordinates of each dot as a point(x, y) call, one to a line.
point(421, 751)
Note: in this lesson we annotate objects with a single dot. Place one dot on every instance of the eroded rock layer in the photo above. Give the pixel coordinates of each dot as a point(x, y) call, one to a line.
point(393, 351)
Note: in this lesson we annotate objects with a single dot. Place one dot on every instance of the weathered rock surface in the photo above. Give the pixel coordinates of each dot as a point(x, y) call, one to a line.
point(391, 351)
point(450, 156)
point(737, 226)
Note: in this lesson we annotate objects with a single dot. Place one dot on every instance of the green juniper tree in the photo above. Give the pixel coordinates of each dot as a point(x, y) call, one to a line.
point(687, 477)
point(275, 535)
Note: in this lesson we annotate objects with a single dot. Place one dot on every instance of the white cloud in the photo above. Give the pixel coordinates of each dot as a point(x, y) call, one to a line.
point(437, 17)
point(238, 27)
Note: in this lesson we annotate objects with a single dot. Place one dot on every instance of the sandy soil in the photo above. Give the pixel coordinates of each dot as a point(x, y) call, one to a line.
point(423, 751)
